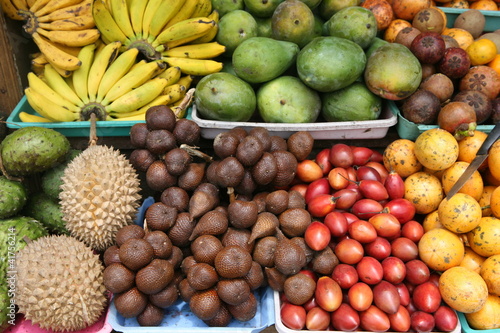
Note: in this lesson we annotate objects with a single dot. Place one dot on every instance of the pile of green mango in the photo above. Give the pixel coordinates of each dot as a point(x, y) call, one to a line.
point(301, 61)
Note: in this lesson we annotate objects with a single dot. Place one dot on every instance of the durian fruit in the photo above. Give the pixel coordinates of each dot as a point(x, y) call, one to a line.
point(59, 283)
point(100, 195)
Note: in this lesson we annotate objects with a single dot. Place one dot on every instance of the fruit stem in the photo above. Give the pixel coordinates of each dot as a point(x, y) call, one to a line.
point(195, 152)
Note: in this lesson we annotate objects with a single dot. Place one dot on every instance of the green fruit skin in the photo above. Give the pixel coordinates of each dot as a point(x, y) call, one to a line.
point(352, 103)
point(235, 27)
point(42, 208)
point(330, 63)
point(261, 59)
point(355, 23)
point(393, 72)
point(5, 319)
point(264, 27)
point(226, 6)
point(293, 21)
point(287, 99)
point(376, 43)
point(223, 96)
point(13, 196)
point(262, 9)
point(33, 149)
point(51, 179)
point(327, 8)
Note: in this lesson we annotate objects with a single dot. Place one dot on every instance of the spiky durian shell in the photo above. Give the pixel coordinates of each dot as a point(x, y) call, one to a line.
point(100, 195)
point(59, 283)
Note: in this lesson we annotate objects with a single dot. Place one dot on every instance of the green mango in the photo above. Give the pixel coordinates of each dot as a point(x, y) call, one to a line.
point(264, 27)
point(293, 21)
point(286, 99)
point(235, 27)
point(261, 59)
point(225, 97)
point(356, 23)
point(261, 8)
point(226, 6)
point(330, 63)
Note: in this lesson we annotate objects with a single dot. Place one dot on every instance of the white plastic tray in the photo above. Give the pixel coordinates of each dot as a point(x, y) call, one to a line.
point(368, 129)
point(281, 328)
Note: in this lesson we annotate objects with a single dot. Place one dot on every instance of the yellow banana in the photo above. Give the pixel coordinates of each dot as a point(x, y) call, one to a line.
point(203, 8)
point(186, 81)
point(166, 11)
point(10, 10)
point(37, 5)
point(70, 12)
point(104, 21)
point(197, 67)
point(47, 108)
point(80, 76)
point(55, 5)
point(116, 71)
point(149, 12)
point(184, 13)
point(44, 89)
point(37, 69)
point(30, 3)
point(20, 4)
point(160, 100)
point(184, 30)
point(137, 76)
point(136, 9)
point(72, 38)
point(26, 117)
point(60, 85)
point(138, 97)
point(76, 23)
point(175, 92)
point(210, 35)
point(39, 60)
point(122, 17)
point(171, 74)
point(57, 57)
point(139, 117)
point(102, 60)
point(196, 51)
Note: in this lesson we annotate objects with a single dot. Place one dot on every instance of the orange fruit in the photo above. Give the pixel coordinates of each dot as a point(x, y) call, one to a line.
point(399, 156)
point(473, 186)
point(490, 272)
point(468, 147)
point(424, 191)
point(463, 290)
point(484, 239)
point(460, 214)
point(441, 249)
point(494, 160)
point(472, 260)
point(463, 4)
point(495, 63)
point(431, 221)
point(394, 28)
point(488, 317)
point(495, 202)
point(436, 149)
point(462, 36)
point(481, 51)
point(485, 199)
point(407, 9)
point(484, 5)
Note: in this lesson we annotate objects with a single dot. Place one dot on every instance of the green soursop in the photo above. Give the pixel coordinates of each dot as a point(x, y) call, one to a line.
point(33, 149)
point(51, 179)
point(13, 196)
point(43, 208)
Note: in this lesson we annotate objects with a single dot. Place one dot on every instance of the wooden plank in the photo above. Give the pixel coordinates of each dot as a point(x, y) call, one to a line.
point(10, 85)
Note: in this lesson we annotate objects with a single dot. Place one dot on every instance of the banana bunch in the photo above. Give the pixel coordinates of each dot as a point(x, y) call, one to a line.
point(179, 32)
point(111, 84)
point(59, 28)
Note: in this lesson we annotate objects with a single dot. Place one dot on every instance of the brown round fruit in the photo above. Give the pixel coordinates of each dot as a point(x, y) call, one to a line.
point(233, 262)
point(422, 107)
point(428, 47)
point(455, 63)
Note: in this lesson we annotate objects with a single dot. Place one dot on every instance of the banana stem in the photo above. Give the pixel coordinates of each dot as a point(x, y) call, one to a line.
point(93, 130)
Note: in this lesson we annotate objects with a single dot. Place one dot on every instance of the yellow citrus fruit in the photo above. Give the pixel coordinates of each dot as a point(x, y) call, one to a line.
point(473, 186)
point(495, 202)
point(472, 260)
point(394, 28)
point(490, 272)
point(484, 239)
point(469, 145)
point(431, 221)
point(485, 199)
point(462, 36)
point(441, 249)
point(436, 149)
point(495, 63)
point(481, 51)
point(424, 191)
point(484, 5)
point(399, 156)
point(463, 290)
point(460, 214)
point(488, 317)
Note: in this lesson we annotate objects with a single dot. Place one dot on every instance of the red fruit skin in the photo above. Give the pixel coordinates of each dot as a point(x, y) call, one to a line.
point(455, 63)
point(417, 272)
point(346, 197)
point(345, 318)
point(373, 189)
point(328, 294)
point(376, 157)
point(370, 270)
point(293, 316)
point(458, 118)
point(404, 294)
point(323, 160)
point(374, 320)
point(321, 205)
point(386, 297)
point(345, 275)
point(422, 321)
point(360, 296)
point(400, 321)
point(336, 223)
point(426, 297)
point(445, 319)
point(317, 236)
point(317, 187)
point(361, 155)
point(380, 248)
point(405, 249)
point(317, 319)
point(412, 230)
point(366, 208)
point(367, 172)
point(401, 208)
point(394, 270)
point(341, 155)
point(395, 186)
